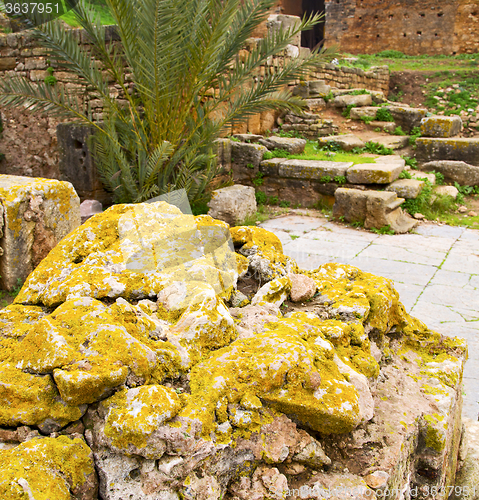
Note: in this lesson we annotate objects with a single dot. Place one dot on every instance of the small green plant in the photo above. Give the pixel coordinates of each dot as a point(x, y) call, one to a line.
point(357, 224)
point(280, 153)
point(284, 204)
point(405, 175)
point(439, 178)
point(377, 129)
point(273, 200)
point(234, 139)
point(340, 179)
point(399, 131)
point(410, 162)
point(466, 190)
point(384, 115)
point(331, 146)
point(328, 97)
point(377, 149)
point(268, 155)
point(347, 110)
point(258, 180)
point(359, 92)
point(383, 230)
point(50, 79)
point(341, 218)
point(368, 119)
point(294, 236)
point(415, 133)
point(250, 165)
point(260, 197)
point(325, 178)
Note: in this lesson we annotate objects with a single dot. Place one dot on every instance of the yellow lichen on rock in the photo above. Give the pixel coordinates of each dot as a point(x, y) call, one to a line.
point(47, 469)
point(134, 414)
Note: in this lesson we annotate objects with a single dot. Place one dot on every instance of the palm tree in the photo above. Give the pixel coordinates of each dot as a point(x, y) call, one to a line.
point(186, 86)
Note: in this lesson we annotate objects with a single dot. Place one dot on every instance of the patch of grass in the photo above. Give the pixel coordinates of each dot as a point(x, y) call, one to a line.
point(294, 236)
point(292, 134)
point(258, 180)
point(259, 216)
point(410, 162)
point(464, 190)
point(340, 179)
point(399, 131)
point(260, 197)
point(347, 110)
point(415, 133)
point(405, 175)
point(368, 119)
point(384, 115)
point(330, 152)
point(383, 230)
point(376, 148)
point(284, 204)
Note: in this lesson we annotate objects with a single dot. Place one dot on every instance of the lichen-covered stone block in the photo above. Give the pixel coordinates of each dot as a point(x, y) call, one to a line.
point(364, 112)
point(454, 148)
point(407, 118)
point(342, 101)
point(454, 171)
point(346, 142)
point(374, 173)
point(290, 144)
point(311, 169)
point(38, 213)
point(232, 204)
point(441, 126)
point(406, 188)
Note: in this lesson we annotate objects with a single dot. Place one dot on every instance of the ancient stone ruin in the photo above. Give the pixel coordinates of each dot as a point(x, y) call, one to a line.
point(158, 355)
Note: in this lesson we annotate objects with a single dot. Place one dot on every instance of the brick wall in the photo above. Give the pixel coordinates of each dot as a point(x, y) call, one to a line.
point(411, 26)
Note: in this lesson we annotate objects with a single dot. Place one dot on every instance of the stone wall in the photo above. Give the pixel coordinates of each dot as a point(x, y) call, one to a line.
point(411, 26)
point(29, 141)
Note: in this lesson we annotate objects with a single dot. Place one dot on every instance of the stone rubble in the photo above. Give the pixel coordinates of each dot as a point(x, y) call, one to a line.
point(125, 340)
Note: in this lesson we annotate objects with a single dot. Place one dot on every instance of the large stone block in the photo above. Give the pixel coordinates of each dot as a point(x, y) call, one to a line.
point(441, 126)
point(223, 154)
point(375, 209)
point(232, 204)
point(342, 101)
point(291, 144)
point(458, 149)
point(76, 162)
point(393, 142)
point(38, 213)
point(347, 142)
point(365, 111)
point(310, 169)
point(407, 118)
point(406, 188)
point(374, 173)
point(455, 171)
point(244, 154)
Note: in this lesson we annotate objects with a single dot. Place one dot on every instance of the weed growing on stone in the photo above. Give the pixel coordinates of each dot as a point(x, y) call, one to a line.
point(410, 162)
point(415, 133)
point(383, 230)
point(284, 204)
point(384, 115)
point(258, 180)
point(464, 190)
point(399, 131)
point(405, 175)
point(340, 179)
point(432, 206)
point(375, 148)
point(347, 110)
point(368, 119)
point(260, 197)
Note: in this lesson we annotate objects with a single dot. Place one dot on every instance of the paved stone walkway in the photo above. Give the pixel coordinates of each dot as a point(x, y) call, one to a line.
point(435, 271)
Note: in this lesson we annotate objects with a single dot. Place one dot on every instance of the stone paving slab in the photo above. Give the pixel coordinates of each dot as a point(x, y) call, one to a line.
point(399, 272)
point(435, 271)
point(325, 248)
point(417, 254)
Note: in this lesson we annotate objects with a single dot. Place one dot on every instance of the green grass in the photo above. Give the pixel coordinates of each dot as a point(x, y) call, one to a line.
point(101, 9)
point(401, 62)
point(312, 151)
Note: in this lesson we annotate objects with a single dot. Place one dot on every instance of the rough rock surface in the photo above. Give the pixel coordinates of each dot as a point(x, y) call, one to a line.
point(347, 142)
point(407, 118)
point(232, 204)
point(342, 101)
point(374, 173)
point(291, 144)
point(441, 126)
point(38, 213)
point(453, 148)
point(123, 337)
point(455, 171)
point(406, 188)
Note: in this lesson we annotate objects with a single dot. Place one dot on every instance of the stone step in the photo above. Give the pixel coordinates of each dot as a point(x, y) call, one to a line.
point(342, 101)
point(457, 149)
point(392, 142)
point(376, 209)
point(455, 171)
point(406, 188)
point(374, 173)
point(407, 118)
point(441, 126)
point(363, 112)
point(304, 169)
point(347, 142)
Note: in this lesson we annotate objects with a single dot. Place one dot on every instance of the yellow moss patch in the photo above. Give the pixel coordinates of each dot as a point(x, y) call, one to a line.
point(49, 468)
point(134, 414)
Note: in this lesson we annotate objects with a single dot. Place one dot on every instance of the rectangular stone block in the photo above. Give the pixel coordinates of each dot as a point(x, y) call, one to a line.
point(374, 173)
point(38, 213)
point(458, 149)
point(406, 188)
point(310, 169)
point(441, 126)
